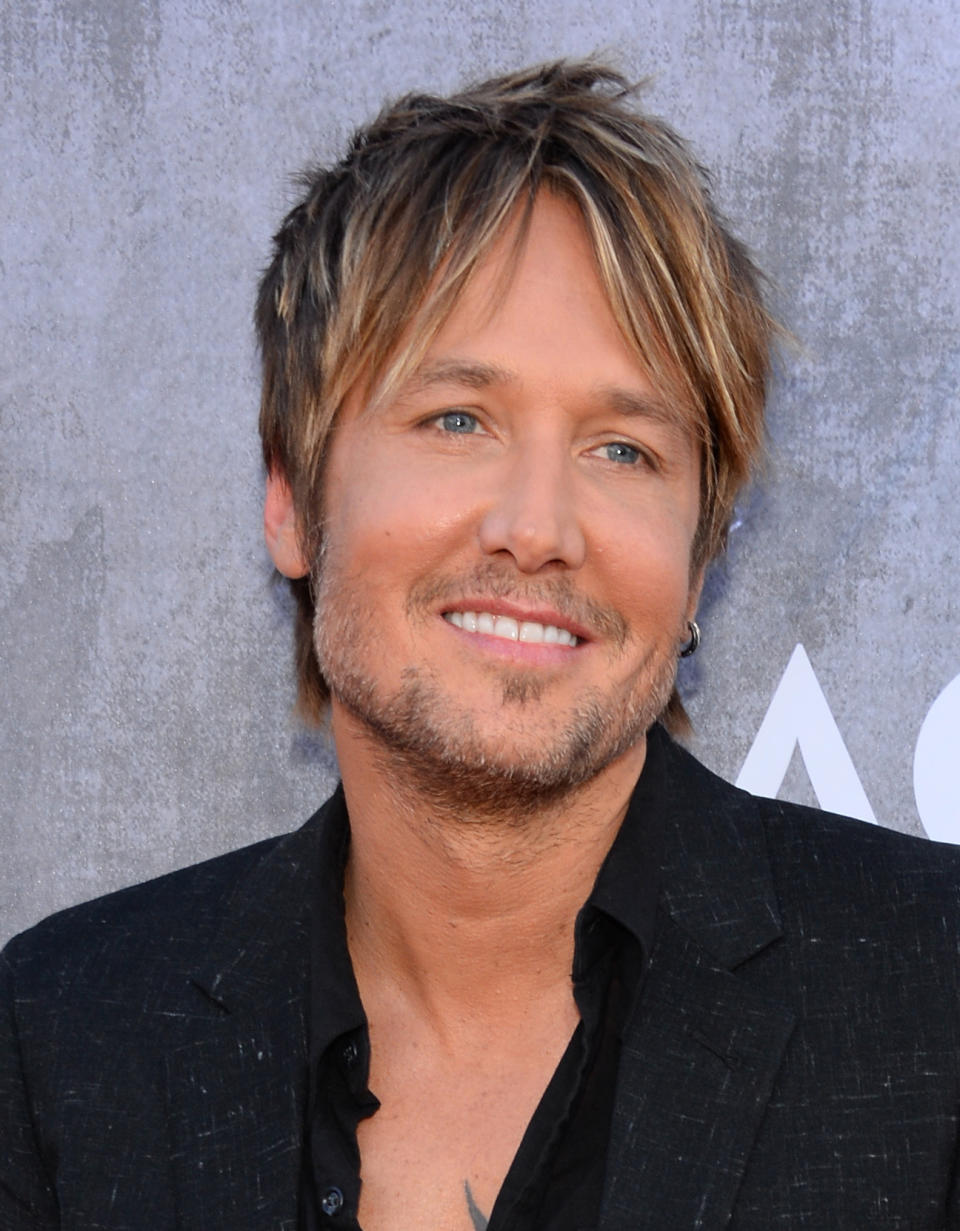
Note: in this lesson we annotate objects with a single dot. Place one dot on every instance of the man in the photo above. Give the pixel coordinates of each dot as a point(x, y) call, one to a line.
point(532, 966)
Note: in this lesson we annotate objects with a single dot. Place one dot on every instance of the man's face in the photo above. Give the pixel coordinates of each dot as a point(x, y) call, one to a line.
point(507, 575)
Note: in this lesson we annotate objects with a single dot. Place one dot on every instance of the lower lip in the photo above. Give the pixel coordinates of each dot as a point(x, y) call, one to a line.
point(536, 653)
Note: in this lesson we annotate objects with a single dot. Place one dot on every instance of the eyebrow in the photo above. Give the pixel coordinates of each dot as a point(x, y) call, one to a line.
point(462, 372)
point(627, 402)
point(645, 406)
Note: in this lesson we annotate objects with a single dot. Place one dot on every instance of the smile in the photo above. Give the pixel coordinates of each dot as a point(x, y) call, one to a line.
point(510, 629)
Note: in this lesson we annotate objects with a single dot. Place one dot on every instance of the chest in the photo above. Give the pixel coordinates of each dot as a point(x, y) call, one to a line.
point(421, 1168)
point(437, 1152)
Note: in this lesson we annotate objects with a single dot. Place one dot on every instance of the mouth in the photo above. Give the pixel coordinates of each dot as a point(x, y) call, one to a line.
point(509, 628)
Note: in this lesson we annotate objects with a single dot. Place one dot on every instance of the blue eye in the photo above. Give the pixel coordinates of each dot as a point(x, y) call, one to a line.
point(458, 421)
point(617, 451)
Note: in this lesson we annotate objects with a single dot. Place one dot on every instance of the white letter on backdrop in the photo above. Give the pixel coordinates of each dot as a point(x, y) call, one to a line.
point(799, 714)
point(936, 785)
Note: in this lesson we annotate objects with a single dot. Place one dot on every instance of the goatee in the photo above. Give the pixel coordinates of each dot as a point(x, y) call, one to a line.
point(435, 748)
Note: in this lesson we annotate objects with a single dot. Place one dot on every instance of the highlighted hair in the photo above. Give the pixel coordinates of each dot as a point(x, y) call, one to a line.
point(384, 241)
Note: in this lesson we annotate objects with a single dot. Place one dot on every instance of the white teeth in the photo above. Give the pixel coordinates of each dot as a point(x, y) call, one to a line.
point(528, 631)
point(504, 626)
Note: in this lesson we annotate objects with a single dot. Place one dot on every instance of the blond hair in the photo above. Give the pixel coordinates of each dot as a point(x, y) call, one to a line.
point(391, 234)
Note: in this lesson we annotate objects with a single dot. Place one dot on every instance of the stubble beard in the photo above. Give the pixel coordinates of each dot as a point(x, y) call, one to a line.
point(437, 752)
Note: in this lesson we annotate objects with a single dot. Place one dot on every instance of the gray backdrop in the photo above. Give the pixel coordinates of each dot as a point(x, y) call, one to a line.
point(147, 149)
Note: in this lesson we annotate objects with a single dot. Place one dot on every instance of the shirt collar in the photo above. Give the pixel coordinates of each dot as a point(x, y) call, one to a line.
point(625, 892)
point(335, 1007)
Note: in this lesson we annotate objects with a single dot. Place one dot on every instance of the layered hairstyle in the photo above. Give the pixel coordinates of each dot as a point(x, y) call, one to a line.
point(369, 263)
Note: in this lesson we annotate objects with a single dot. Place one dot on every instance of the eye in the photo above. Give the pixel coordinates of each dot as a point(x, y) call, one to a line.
point(619, 451)
point(458, 421)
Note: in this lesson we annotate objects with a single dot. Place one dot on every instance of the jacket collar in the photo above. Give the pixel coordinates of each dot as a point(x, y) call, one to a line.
point(716, 880)
point(264, 934)
point(703, 1046)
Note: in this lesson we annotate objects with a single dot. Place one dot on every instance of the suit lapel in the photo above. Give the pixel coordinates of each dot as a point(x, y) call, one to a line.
point(236, 1091)
point(698, 1063)
point(703, 1046)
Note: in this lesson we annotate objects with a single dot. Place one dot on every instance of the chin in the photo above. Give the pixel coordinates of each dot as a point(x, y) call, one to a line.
point(507, 765)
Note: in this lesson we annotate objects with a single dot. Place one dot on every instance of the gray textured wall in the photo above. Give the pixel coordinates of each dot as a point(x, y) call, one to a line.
point(147, 148)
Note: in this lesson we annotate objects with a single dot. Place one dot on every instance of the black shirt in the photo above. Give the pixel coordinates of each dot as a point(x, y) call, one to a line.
point(555, 1182)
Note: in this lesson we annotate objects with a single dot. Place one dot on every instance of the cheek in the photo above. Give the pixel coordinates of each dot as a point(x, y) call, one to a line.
point(649, 577)
point(390, 520)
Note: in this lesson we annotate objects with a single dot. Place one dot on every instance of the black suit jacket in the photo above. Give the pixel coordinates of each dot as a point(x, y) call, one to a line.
point(793, 1062)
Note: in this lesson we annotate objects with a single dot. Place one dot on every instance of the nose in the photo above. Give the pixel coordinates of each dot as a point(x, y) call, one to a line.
point(534, 515)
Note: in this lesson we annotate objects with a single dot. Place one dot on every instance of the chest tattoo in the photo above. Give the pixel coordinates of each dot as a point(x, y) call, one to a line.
point(477, 1217)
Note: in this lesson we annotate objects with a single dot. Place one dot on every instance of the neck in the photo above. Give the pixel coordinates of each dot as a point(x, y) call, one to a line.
point(465, 916)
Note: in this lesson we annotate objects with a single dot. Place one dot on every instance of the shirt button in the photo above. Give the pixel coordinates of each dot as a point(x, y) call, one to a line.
point(332, 1201)
point(350, 1055)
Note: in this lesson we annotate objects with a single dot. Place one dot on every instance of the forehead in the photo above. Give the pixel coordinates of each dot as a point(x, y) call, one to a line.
point(534, 307)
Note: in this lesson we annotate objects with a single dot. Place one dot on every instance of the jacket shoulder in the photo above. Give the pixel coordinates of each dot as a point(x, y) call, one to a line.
point(888, 898)
point(816, 835)
point(131, 928)
point(829, 873)
point(841, 845)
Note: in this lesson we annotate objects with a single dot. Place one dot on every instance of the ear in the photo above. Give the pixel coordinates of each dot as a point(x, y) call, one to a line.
point(281, 527)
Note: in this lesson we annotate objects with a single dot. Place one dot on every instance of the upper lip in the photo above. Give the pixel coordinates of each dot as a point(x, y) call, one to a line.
point(519, 612)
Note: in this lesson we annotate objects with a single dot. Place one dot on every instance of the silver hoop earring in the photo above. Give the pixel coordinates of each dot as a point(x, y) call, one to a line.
point(694, 643)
